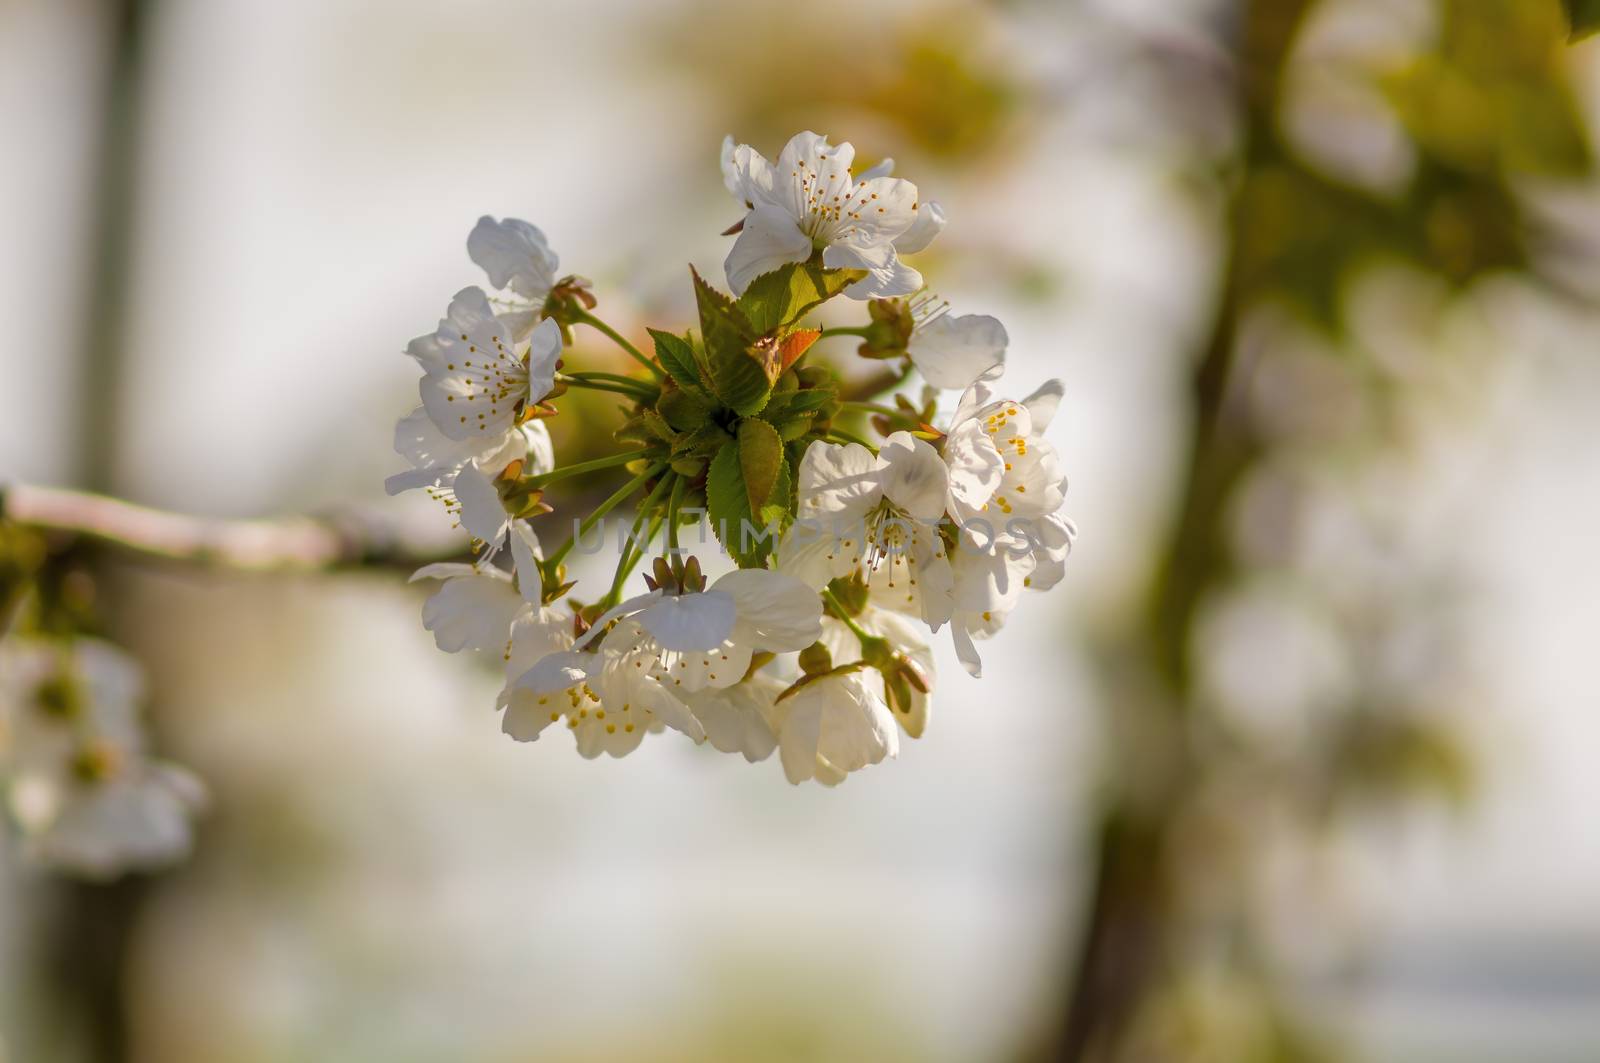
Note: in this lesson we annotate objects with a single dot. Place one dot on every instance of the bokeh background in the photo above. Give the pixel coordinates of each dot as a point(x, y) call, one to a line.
point(1297, 764)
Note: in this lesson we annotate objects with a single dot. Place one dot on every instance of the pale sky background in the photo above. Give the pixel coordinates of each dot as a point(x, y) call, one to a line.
point(309, 176)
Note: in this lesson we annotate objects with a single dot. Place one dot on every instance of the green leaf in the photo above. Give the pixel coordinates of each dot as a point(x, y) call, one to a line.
point(778, 299)
point(1583, 16)
point(738, 376)
point(761, 458)
point(741, 530)
point(676, 356)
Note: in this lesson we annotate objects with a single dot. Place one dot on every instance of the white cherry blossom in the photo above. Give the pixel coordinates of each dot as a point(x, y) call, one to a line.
point(701, 639)
point(515, 255)
point(435, 458)
point(476, 385)
point(834, 725)
point(477, 606)
point(609, 697)
point(908, 640)
point(952, 352)
point(808, 202)
point(876, 515)
point(739, 718)
point(1001, 467)
point(1005, 488)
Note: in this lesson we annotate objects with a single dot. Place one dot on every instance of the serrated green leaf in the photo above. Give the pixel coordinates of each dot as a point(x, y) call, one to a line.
point(677, 357)
point(741, 530)
point(738, 377)
point(1583, 16)
point(760, 458)
point(775, 300)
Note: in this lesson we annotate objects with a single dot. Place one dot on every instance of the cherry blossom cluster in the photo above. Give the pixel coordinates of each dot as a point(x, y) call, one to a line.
point(853, 518)
point(79, 788)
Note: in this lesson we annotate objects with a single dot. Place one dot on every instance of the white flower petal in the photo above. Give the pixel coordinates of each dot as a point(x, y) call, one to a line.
point(747, 174)
point(544, 350)
point(976, 468)
point(685, 622)
point(770, 239)
point(483, 514)
point(472, 611)
point(776, 612)
point(514, 254)
point(1043, 403)
point(952, 352)
point(914, 477)
point(735, 719)
point(928, 223)
point(886, 282)
point(474, 379)
point(525, 556)
point(839, 482)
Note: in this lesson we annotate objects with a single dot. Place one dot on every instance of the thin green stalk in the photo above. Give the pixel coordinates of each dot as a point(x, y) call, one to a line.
point(597, 464)
point(678, 489)
point(874, 407)
point(860, 330)
point(862, 634)
point(635, 547)
point(840, 435)
point(640, 394)
point(588, 523)
point(620, 340)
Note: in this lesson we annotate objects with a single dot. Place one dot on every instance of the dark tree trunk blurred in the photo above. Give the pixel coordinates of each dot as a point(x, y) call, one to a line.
point(90, 925)
point(1128, 933)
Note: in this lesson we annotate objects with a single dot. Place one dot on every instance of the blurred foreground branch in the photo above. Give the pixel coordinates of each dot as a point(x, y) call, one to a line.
point(284, 544)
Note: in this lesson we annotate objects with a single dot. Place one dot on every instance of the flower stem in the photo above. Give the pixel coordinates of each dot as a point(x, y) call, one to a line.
point(636, 547)
point(639, 393)
point(874, 407)
point(586, 466)
point(621, 341)
point(861, 633)
point(621, 495)
point(678, 489)
point(860, 330)
point(850, 437)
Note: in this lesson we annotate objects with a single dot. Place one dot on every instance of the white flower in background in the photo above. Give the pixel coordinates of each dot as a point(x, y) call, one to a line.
point(808, 202)
point(833, 725)
point(877, 515)
point(518, 259)
point(136, 816)
point(77, 781)
point(476, 386)
point(477, 606)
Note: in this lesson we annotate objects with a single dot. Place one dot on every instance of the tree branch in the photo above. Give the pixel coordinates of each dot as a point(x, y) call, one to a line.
point(286, 544)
